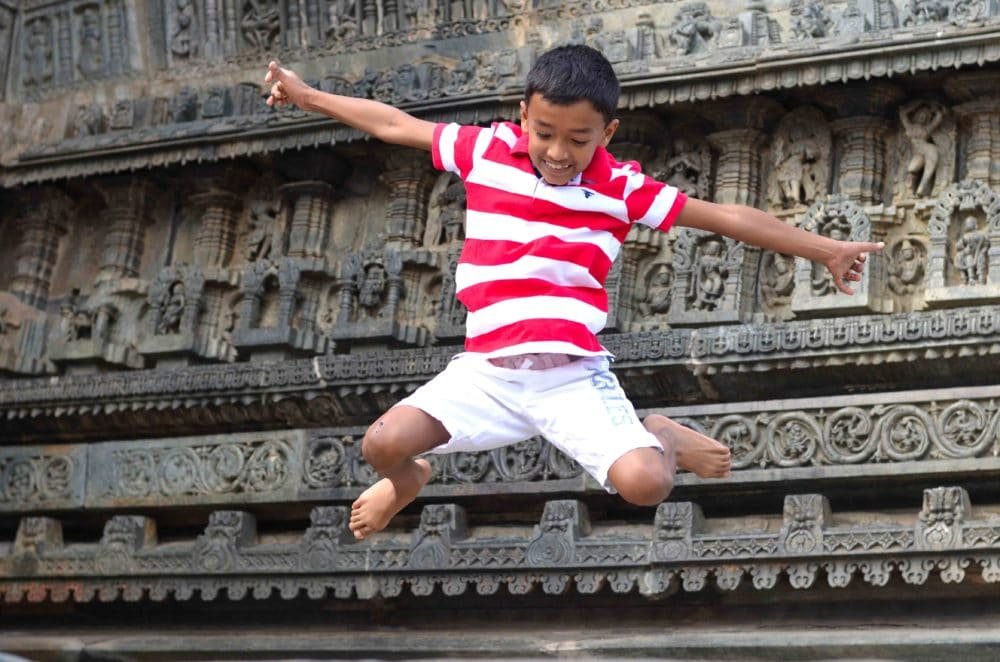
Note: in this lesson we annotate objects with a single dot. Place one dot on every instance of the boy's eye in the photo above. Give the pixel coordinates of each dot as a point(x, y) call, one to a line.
point(543, 135)
point(579, 143)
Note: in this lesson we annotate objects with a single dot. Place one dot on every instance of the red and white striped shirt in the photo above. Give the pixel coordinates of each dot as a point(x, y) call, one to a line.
point(536, 256)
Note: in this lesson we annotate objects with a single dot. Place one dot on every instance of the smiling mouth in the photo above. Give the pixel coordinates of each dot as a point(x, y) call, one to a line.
point(555, 167)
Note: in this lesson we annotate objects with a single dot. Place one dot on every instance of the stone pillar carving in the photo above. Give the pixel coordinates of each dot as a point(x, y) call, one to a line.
point(977, 111)
point(310, 211)
point(981, 125)
point(860, 138)
point(218, 211)
point(409, 177)
point(861, 142)
point(127, 199)
point(309, 195)
point(738, 173)
point(739, 144)
point(42, 225)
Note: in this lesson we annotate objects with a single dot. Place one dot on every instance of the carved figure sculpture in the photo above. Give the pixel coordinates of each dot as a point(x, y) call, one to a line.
point(658, 292)
point(921, 12)
point(260, 23)
point(693, 27)
point(173, 308)
point(38, 54)
point(777, 277)
point(810, 20)
point(260, 236)
point(342, 21)
point(801, 151)
point(906, 267)
point(710, 276)
point(91, 60)
point(972, 252)
point(920, 120)
point(180, 38)
point(373, 285)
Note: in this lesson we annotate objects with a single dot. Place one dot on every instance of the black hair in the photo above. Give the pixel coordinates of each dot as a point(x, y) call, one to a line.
point(567, 74)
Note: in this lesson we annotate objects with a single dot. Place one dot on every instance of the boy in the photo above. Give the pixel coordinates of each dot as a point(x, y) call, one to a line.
point(547, 211)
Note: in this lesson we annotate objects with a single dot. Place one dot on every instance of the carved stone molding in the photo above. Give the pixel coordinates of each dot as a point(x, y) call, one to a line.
point(565, 551)
point(902, 435)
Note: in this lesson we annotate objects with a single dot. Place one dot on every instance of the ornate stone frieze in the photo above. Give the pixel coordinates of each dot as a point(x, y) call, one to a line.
point(565, 550)
point(842, 437)
point(41, 478)
point(203, 31)
point(845, 430)
point(714, 350)
point(241, 468)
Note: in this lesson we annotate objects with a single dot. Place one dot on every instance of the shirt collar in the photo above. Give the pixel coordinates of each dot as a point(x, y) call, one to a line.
point(597, 172)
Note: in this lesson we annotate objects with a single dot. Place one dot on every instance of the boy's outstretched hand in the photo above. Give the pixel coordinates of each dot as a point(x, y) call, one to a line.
point(286, 86)
point(848, 261)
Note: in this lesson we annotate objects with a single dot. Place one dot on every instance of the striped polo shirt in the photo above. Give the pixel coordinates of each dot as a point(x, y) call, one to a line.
point(536, 256)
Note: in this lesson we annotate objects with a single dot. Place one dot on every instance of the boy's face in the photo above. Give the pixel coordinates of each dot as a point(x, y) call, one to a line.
point(562, 139)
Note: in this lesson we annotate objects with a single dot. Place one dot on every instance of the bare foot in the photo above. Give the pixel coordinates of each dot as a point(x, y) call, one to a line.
point(697, 453)
point(378, 504)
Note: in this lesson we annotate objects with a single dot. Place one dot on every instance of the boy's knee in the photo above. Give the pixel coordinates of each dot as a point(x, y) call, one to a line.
point(640, 480)
point(380, 446)
point(650, 490)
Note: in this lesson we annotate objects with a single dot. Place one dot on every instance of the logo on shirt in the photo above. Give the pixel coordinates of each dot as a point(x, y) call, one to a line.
point(586, 193)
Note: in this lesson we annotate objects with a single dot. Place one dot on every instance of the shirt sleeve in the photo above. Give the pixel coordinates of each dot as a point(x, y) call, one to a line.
point(454, 146)
point(654, 203)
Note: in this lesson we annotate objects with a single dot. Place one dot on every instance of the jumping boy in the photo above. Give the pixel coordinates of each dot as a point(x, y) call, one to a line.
point(547, 211)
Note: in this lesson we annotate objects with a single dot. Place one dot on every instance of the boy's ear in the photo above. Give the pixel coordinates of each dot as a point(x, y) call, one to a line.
point(524, 115)
point(609, 131)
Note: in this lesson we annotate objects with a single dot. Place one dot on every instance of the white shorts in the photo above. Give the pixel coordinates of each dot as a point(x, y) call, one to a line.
point(579, 408)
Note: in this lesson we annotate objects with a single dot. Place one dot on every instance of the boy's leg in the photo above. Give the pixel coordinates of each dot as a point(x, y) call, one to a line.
point(583, 411)
point(697, 453)
point(389, 446)
point(645, 476)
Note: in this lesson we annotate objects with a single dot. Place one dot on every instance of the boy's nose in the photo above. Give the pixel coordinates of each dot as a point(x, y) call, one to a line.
point(558, 152)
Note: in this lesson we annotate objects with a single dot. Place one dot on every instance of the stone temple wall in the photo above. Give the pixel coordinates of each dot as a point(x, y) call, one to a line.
point(203, 300)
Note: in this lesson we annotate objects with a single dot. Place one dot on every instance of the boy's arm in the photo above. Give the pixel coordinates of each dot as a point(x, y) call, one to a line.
point(375, 118)
point(844, 259)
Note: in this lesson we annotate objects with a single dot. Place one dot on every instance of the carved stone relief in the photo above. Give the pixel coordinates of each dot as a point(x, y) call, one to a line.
point(38, 49)
point(838, 217)
point(564, 550)
point(692, 30)
point(712, 278)
point(964, 230)
point(801, 151)
point(926, 149)
point(907, 266)
point(687, 166)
